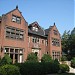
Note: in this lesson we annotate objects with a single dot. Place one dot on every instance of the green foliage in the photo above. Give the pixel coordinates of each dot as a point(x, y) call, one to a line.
point(63, 58)
point(38, 68)
point(73, 62)
point(64, 68)
point(68, 43)
point(9, 70)
point(46, 58)
point(65, 42)
point(32, 58)
point(6, 60)
point(56, 61)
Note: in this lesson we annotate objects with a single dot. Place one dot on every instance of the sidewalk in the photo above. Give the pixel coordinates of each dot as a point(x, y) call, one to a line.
point(72, 70)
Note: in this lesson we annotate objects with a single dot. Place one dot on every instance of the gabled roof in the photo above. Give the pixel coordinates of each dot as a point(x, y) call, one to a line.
point(40, 31)
point(14, 10)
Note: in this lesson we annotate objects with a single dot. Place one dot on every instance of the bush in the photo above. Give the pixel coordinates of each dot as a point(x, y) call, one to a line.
point(63, 58)
point(9, 70)
point(73, 62)
point(64, 68)
point(6, 60)
point(46, 58)
point(38, 68)
point(32, 58)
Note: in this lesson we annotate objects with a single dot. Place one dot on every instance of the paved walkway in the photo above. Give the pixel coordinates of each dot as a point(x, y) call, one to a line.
point(72, 70)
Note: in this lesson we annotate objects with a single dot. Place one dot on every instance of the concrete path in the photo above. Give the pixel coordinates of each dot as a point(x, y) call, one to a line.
point(72, 70)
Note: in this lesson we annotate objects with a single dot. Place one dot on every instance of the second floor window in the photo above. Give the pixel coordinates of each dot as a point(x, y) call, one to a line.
point(14, 33)
point(16, 19)
point(35, 40)
point(55, 42)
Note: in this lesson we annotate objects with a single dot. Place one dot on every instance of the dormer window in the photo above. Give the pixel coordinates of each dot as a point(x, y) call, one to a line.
point(35, 29)
point(16, 19)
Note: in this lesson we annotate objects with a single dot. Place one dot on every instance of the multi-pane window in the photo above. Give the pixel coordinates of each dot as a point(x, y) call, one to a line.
point(35, 29)
point(35, 40)
point(55, 42)
point(56, 55)
point(55, 32)
point(16, 54)
point(14, 33)
point(16, 19)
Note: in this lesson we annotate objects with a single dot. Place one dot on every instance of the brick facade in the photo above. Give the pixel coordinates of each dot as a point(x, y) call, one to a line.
point(18, 39)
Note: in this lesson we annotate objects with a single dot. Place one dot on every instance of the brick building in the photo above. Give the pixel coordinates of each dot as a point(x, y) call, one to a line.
point(18, 39)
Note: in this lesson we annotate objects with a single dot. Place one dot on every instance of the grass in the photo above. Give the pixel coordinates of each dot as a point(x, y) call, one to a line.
point(64, 74)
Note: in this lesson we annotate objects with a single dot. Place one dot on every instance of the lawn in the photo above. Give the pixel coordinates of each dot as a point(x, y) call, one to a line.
point(66, 74)
point(63, 74)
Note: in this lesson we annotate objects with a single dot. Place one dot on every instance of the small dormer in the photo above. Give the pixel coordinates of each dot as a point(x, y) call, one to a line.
point(34, 26)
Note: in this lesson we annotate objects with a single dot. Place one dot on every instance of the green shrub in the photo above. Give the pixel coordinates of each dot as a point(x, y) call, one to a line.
point(46, 58)
point(32, 58)
point(63, 58)
point(6, 60)
point(9, 70)
point(38, 68)
point(64, 68)
point(73, 62)
point(56, 65)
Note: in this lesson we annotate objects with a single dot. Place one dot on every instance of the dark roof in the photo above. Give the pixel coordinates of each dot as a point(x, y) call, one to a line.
point(47, 30)
point(0, 17)
point(40, 32)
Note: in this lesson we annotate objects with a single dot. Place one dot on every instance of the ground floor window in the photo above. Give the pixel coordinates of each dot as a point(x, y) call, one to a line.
point(56, 55)
point(16, 54)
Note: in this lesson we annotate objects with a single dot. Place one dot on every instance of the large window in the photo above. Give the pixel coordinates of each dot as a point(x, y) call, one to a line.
point(55, 42)
point(16, 54)
point(14, 33)
point(16, 19)
point(56, 55)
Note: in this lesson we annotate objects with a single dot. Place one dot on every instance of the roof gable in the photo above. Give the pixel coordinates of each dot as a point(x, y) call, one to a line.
point(40, 31)
point(16, 9)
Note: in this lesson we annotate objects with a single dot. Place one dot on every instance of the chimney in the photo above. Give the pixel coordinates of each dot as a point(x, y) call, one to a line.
point(17, 7)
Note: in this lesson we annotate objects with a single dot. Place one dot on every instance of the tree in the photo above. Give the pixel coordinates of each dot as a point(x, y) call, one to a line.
point(72, 44)
point(9, 70)
point(65, 41)
point(63, 58)
point(68, 43)
point(32, 58)
point(46, 58)
point(73, 62)
point(6, 60)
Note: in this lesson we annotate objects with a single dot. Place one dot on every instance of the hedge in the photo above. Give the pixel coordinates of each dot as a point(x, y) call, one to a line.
point(38, 68)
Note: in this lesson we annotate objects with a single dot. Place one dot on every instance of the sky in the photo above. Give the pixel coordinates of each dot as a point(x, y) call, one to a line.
point(45, 12)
